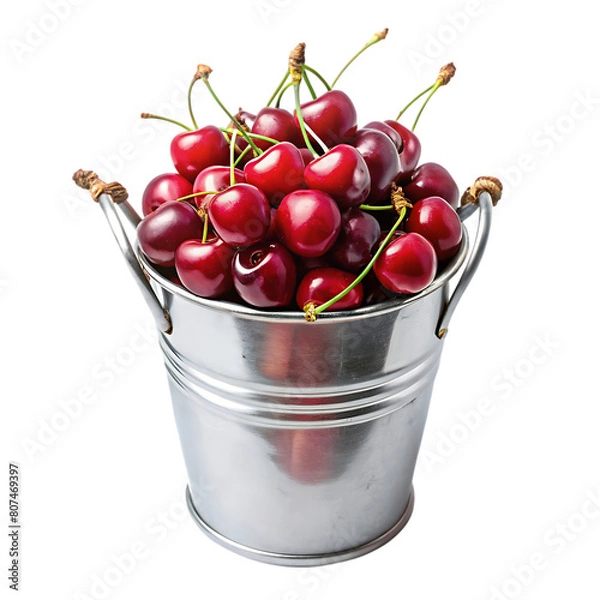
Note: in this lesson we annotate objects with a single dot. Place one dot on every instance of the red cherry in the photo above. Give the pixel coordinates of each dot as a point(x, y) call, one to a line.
point(192, 151)
point(277, 172)
point(264, 275)
point(342, 173)
point(332, 116)
point(205, 268)
point(381, 157)
point(240, 215)
point(353, 247)
point(160, 233)
point(388, 130)
point(217, 178)
point(439, 223)
point(164, 188)
point(407, 265)
point(308, 222)
point(431, 179)
point(410, 152)
point(320, 285)
point(276, 123)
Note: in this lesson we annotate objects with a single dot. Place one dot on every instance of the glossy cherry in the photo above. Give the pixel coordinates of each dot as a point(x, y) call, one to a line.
point(277, 172)
point(205, 268)
point(264, 275)
point(192, 151)
point(359, 233)
point(388, 130)
point(439, 223)
point(382, 160)
point(164, 188)
point(407, 264)
point(432, 179)
point(217, 178)
point(276, 123)
point(160, 233)
point(321, 285)
point(342, 173)
point(410, 152)
point(240, 215)
point(332, 116)
point(308, 222)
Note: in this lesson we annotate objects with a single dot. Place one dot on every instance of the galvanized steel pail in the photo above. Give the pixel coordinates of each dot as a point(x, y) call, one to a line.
point(300, 439)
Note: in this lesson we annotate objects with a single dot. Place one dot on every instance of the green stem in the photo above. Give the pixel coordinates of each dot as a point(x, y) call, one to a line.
point(282, 91)
point(281, 84)
point(255, 136)
point(434, 89)
point(241, 156)
point(205, 228)
point(301, 119)
point(189, 101)
point(309, 85)
point(413, 101)
point(376, 38)
point(195, 195)
point(319, 76)
point(237, 124)
point(161, 118)
point(375, 208)
point(319, 309)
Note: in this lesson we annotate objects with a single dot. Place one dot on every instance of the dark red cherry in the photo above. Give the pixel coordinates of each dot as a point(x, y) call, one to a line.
point(353, 248)
point(308, 222)
point(332, 116)
point(192, 151)
point(321, 285)
point(342, 173)
point(307, 156)
point(205, 268)
point(381, 157)
point(264, 275)
point(216, 178)
point(388, 130)
point(276, 123)
point(240, 215)
point(277, 172)
point(431, 179)
point(410, 153)
point(407, 264)
point(164, 188)
point(160, 233)
point(439, 223)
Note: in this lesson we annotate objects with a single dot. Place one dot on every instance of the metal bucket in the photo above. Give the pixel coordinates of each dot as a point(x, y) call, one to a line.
point(300, 439)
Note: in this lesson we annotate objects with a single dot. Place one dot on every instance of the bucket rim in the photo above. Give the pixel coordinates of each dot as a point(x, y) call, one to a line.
point(245, 311)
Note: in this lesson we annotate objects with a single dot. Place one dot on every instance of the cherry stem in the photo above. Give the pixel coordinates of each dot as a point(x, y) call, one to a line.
point(282, 91)
point(232, 158)
point(413, 101)
point(255, 136)
point(319, 76)
point(237, 124)
point(434, 88)
point(205, 227)
point(374, 208)
point(189, 101)
point(311, 312)
point(195, 195)
point(309, 84)
point(376, 38)
point(276, 92)
point(241, 156)
point(301, 119)
point(161, 118)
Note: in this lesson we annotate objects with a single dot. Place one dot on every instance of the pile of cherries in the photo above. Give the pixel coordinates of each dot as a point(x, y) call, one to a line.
point(300, 209)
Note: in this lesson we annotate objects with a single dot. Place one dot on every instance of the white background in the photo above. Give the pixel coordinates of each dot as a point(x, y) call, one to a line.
point(503, 509)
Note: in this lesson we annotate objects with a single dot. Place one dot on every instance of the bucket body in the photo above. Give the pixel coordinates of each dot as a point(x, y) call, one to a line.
point(300, 439)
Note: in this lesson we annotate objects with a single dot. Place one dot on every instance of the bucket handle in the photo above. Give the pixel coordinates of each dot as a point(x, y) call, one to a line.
point(107, 195)
point(482, 197)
